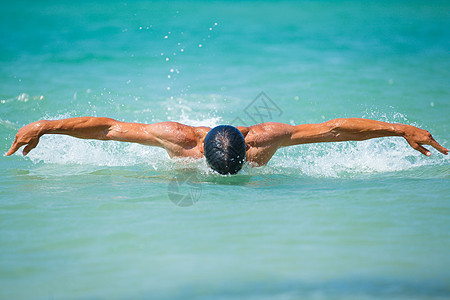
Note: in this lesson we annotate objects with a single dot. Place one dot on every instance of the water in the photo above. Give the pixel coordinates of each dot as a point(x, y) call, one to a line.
point(358, 220)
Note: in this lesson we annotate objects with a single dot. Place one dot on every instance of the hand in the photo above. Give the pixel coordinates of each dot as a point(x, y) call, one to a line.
point(417, 137)
point(28, 135)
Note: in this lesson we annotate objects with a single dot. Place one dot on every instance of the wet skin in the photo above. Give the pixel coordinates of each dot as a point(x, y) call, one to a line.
point(262, 140)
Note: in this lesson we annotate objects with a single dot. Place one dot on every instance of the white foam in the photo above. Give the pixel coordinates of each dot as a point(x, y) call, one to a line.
point(61, 149)
point(208, 121)
point(354, 158)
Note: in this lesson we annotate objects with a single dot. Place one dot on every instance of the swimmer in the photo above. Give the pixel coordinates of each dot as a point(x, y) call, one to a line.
point(226, 148)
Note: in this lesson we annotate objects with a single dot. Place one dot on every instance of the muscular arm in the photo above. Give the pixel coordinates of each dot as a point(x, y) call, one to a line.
point(158, 134)
point(356, 129)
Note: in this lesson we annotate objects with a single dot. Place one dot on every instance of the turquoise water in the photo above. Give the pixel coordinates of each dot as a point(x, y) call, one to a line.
point(106, 220)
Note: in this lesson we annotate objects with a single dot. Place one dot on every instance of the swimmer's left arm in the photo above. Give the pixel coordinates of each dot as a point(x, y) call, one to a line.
point(357, 129)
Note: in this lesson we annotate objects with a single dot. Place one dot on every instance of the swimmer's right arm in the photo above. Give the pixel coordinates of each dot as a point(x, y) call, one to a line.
point(94, 128)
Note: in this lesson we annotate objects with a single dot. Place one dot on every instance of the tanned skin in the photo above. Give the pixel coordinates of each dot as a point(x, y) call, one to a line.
point(262, 140)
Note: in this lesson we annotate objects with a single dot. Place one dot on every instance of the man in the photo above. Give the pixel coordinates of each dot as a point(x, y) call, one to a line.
point(225, 148)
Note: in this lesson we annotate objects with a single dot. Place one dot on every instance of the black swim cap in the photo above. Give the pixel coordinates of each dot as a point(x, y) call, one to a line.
point(225, 149)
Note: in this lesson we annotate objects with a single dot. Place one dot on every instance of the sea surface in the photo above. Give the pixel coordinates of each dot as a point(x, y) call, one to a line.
point(82, 219)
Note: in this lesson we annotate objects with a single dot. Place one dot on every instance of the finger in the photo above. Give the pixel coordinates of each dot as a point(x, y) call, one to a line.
point(15, 146)
point(422, 150)
point(29, 147)
point(438, 147)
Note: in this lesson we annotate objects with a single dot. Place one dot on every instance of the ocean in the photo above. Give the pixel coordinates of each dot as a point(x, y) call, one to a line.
point(84, 219)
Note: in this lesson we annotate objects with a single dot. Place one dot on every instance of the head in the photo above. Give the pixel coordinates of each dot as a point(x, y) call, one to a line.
point(225, 149)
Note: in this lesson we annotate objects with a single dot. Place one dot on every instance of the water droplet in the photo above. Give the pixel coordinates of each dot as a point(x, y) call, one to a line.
point(23, 97)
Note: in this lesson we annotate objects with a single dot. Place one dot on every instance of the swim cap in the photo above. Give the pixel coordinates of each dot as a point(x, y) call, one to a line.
point(225, 149)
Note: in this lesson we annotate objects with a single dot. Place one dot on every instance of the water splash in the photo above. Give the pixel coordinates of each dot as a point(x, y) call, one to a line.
point(349, 159)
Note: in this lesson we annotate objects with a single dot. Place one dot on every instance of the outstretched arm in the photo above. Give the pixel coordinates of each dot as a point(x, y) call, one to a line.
point(356, 129)
point(158, 134)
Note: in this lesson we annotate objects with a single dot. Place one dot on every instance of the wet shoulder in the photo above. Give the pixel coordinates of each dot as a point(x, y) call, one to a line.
point(268, 132)
point(177, 133)
point(201, 132)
